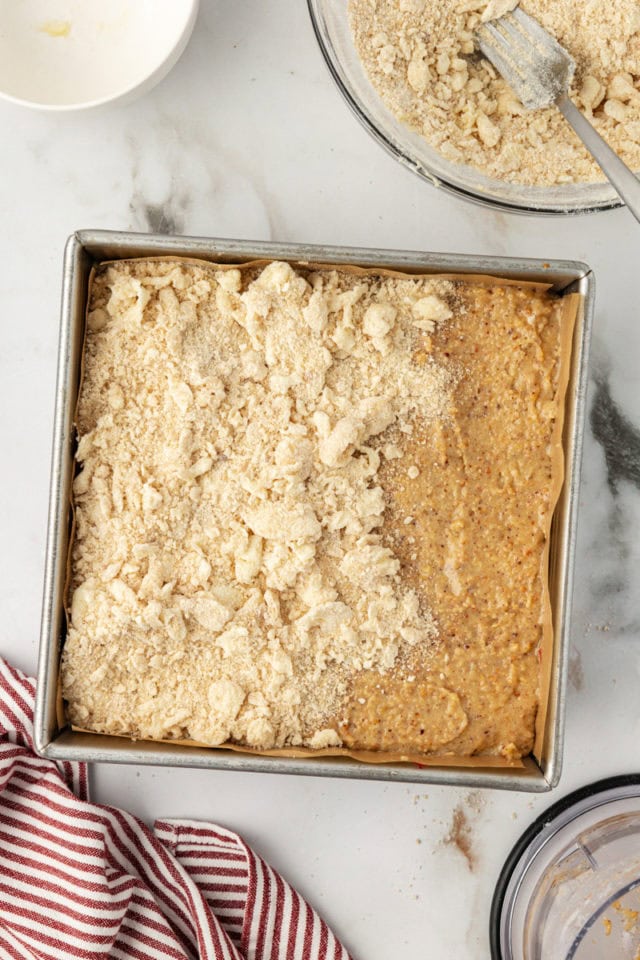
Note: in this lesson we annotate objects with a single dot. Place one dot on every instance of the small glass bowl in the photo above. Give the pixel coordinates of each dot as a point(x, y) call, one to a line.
point(570, 888)
point(331, 24)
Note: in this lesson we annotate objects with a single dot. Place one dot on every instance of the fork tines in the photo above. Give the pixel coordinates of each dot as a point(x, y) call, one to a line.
point(529, 59)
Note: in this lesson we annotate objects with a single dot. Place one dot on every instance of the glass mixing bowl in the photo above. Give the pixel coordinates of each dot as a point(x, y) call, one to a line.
point(331, 24)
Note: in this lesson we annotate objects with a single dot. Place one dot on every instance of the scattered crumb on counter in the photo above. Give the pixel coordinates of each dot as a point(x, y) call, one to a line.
point(460, 836)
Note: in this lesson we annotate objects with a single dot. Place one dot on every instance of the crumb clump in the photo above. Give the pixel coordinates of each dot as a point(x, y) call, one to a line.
point(421, 58)
point(229, 572)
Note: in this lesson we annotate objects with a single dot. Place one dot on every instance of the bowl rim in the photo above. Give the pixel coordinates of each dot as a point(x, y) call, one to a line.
point(146, 82)
point(422, 170)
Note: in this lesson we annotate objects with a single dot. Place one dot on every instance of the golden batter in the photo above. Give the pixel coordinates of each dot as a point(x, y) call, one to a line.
point(480, 506)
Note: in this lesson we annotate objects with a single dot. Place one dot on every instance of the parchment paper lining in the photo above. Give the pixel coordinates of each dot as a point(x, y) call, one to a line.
point(569, 312)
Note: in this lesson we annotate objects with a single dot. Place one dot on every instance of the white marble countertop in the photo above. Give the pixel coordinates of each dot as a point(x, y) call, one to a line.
point(249, 138)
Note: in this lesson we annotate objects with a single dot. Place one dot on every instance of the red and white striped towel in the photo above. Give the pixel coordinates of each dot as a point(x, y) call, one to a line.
point(82, 880)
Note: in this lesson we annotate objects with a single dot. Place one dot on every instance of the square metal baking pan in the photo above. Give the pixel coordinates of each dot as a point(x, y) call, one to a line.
point(56, 740)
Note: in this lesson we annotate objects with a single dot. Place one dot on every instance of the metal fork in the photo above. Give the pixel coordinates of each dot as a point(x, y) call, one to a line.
point(540, 72)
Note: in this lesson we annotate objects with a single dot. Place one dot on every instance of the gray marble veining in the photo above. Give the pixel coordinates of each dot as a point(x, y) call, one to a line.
point(618, 437)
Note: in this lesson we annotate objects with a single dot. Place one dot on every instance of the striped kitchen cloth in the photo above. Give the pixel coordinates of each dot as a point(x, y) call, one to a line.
point(82, 880)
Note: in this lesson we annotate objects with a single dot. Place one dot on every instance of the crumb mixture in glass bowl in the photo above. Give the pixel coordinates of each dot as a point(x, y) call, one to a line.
point(412, 73)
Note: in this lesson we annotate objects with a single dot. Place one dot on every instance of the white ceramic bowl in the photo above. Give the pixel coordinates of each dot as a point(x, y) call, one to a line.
point(73, 54)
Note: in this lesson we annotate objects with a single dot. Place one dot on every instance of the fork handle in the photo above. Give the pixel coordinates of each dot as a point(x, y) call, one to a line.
point(620, 176)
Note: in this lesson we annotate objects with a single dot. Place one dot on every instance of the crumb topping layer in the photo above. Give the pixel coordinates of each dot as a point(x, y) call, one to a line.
point(230, 573)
